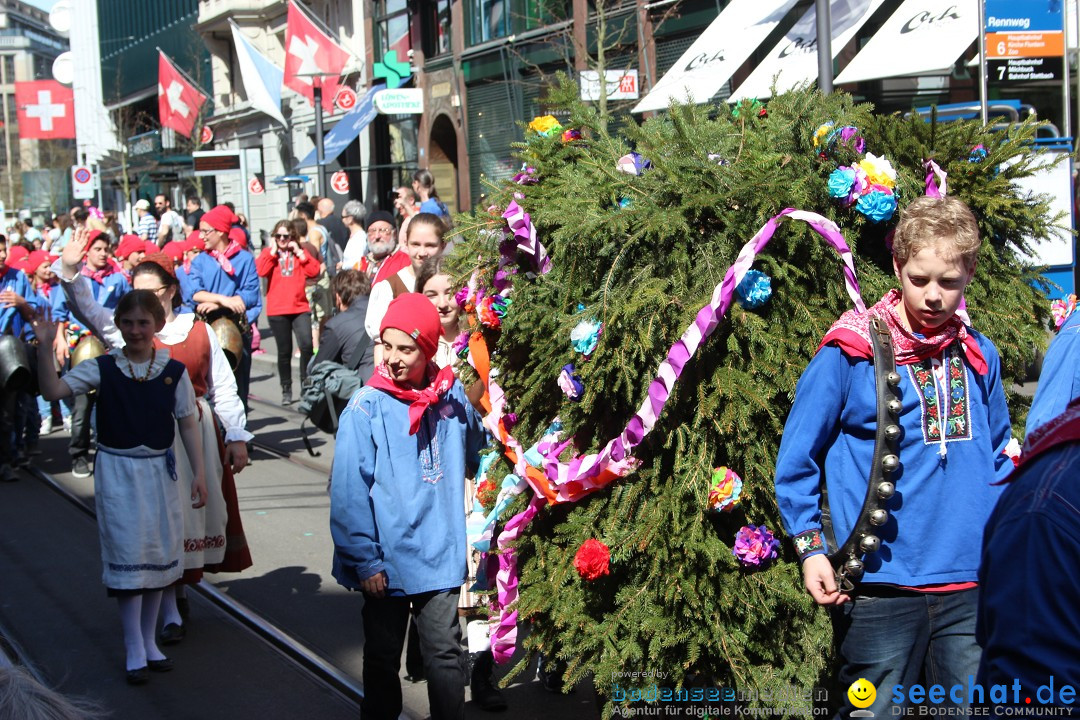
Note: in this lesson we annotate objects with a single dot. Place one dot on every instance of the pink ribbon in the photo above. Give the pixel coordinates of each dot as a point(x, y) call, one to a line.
point(940, 188)
point(525, 235)
point(583, 471)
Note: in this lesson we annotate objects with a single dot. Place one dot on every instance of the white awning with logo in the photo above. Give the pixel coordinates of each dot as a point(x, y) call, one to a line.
point(717, 53)
point(922, 37)
point(794, 60)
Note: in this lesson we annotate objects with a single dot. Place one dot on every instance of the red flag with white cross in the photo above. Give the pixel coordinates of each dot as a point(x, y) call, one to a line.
point(179, 101)
point(312, 56)
point(45, 110)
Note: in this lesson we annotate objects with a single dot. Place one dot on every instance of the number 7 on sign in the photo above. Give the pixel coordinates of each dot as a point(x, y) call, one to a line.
point(1001, 73)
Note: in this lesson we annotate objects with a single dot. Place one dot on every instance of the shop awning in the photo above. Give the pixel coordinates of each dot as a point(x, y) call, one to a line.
point(794, 60)
point(922, 37)
point(717, 53)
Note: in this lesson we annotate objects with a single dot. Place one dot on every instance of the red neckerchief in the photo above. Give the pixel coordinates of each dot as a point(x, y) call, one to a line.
point(1062, 429)
point(44, 288)
point(99, 276)
point(419, 400)
point(851, 333)
point(222, 257)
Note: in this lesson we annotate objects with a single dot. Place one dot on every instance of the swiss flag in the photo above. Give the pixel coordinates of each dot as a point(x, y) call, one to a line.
point(45, 110)
point(311, 56)
point(179, 101)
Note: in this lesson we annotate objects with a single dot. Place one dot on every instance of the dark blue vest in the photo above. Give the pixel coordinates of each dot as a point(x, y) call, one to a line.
point(131, 413)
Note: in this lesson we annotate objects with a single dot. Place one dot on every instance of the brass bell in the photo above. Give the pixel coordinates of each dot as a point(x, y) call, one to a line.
point(870, 544)
point(893, 378)
point(885, 490)
point(894, 406)
point(230, 339)
point(879, 517)
point(890, 462)
point(892, 432)
point(854, 567)
point(88, 348)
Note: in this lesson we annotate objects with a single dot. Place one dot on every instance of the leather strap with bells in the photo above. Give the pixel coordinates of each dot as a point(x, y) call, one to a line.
point(847, 558)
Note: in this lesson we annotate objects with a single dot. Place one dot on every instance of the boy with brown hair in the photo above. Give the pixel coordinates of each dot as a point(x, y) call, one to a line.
point(911, 611)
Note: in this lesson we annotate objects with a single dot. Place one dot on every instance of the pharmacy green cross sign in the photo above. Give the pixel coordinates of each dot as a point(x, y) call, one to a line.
point(395, 73)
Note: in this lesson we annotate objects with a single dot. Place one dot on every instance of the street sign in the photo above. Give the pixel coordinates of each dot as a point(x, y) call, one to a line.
point(1024, 43)
point(404, 101)
point(207, 135)
point(255, 187)
point(82, 182)
point(346, 99)
point(339, 182)
point(621, 84)
point(214, 162)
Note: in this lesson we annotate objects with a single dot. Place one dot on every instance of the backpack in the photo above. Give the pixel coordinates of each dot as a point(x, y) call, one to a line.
point(326, 392)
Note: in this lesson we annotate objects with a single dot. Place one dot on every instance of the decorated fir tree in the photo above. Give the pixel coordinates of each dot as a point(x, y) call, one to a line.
point(635, 246)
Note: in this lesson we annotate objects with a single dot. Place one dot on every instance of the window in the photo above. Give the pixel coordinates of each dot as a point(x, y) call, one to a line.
point(493, 19)
point(436, 29)
point(489, 20)
point(392, 29)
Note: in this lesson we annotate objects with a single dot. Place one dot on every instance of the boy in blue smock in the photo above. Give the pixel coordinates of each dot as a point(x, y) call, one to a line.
point(396, 509)
point(912, 614)
point(1059, 380)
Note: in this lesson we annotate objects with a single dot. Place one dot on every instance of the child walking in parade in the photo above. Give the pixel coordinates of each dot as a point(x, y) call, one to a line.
point(404, 444)
point(141, 390)
point(912, 612)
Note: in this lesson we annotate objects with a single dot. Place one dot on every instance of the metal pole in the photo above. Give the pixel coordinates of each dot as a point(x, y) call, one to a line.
point(983, 113)
point(824, 46)
point(1065, 87)
point(7, 135)
point(319, 138)
point(244, 202)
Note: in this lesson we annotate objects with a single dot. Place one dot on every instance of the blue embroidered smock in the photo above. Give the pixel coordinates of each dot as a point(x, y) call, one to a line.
point(207, 275)
point(397, 501)
point(11, 320)
point(941, 504)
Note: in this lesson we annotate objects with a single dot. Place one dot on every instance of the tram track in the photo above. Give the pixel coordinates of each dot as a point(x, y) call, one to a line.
point(303, 657)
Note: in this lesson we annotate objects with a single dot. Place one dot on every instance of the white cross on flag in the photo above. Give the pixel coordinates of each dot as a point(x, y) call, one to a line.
point(179, 101)
point(311, 56)
point(45, 110)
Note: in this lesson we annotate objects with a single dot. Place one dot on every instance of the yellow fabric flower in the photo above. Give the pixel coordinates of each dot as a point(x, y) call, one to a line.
point(819, 135)
point(545, 125)
point(879, 171)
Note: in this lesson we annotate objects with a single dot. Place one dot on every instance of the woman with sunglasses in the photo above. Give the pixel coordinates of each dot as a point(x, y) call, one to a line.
point(287, 264)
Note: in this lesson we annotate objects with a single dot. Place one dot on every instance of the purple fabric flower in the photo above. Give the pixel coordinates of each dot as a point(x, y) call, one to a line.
point(527, 176)
point(509, 421)
point(755, 546)
point(570, 383)
point(461, 344)
point(461, 297)
point(633, 164)
point(502, 280)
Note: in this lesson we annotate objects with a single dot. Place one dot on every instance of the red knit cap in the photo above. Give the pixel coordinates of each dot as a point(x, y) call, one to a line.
point(221, 218)
point(17, 253)
point(129, 244)
point(162, 260)
point(415, 315)
point(237, 234)
point(151, 246)
point(173, 250)
point(33, 262)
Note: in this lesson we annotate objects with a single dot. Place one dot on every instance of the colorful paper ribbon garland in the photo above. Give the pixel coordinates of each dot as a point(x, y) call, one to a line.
point(570, 481)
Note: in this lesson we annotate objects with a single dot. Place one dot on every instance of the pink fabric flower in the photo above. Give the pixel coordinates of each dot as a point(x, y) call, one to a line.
point(755, 546)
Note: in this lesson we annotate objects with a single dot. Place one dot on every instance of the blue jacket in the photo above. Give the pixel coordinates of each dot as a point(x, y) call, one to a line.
point(207, 275)
point(1029, 621)
point(1059, 381)
point(397, 501)
point(11, 321)
point(187, 305)
point(106, 294)
point(941, 504)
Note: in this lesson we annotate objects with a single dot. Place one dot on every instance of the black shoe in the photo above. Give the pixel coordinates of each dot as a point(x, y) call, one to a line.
point(286, 396)
point(484, 692)
point(549, 673)
point(8, 474)
point(80, 467)
point(171, 634)
point(183, 607)
point(139, 676)
point(163, 665)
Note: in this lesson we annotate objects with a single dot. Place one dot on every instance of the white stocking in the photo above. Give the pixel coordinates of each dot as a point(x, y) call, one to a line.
point(150, 604)
point(130, 619)
point(169, 613)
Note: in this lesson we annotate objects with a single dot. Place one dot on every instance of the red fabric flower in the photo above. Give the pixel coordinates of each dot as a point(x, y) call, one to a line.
point(592, 559)
point(487, 493)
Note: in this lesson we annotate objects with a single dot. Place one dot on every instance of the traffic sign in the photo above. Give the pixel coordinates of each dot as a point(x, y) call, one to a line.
point(82, 182)
point(339, 182)
point(346, 99)
point(255, 186)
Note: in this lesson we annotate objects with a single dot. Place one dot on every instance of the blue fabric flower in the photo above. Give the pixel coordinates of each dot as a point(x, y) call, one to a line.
point(877, 205)
point(754, 290)
point(585, 336)
point(840, 182)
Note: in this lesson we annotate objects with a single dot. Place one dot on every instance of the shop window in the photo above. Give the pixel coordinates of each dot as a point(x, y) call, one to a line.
point(493, 19)
point(436, 28)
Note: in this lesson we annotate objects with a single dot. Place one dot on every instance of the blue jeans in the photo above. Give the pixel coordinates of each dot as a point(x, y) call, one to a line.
point(895, 637)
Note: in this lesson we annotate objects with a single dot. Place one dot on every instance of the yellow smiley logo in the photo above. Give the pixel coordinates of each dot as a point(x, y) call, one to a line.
point(862, 693)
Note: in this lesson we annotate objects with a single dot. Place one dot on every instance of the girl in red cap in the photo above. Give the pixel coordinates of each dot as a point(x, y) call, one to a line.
point(404, 443)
